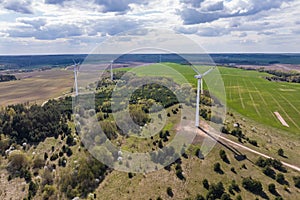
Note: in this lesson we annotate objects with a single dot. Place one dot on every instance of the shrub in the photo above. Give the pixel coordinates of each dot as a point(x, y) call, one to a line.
point(235, 186)
point(217, 168)
point(251, 185)
point(223, 156)
point(38, 162)
point(32, 190)
point(215, 191)
point(205, 184)
point(17, 161)
point(297, 181)
point(225, 196)
point(253, 142)
point(280, 178)
point(45, 156)
point(130, 175)
point(48, 191)
point(261, 162)
point(269, 172)
point(170, 192)
point(54, 157)
point(280, 152)
point(233, 170)
point(272, 188)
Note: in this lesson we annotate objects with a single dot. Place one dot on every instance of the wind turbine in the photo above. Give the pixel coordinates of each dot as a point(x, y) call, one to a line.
point(75, 77)
point(199, 78)
point(111, 71)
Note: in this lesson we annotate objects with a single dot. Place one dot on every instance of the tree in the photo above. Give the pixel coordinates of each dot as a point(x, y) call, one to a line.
point(17, 161)
point(32, 190)
point(280, 178)
point(297, 181)
point(45, 156)
point(269, 172)
point(253, 142)
point(170, 192)
point(225, 196)
point(272, 188)
point(280, 152)
point(223, 156)
point(217, 168)
point(38, 162)
point(251, 185)
point(261, 162)
point(215, 191)
point(205, 184)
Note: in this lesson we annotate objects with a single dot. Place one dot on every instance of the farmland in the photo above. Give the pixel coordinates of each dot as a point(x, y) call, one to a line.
point(36, 87)
point(247, 92)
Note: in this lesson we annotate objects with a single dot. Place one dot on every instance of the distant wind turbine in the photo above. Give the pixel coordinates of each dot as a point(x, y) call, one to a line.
point(199, 77)
point(75, 76)
point(111, 71)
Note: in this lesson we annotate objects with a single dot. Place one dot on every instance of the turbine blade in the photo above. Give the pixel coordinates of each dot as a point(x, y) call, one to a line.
point(207, 72)
point(194, 68)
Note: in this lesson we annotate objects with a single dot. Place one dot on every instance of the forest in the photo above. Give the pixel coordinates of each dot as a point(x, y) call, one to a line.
point(5, 78)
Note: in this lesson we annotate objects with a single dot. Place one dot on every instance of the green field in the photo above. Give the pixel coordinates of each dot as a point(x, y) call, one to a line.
point(248, 93)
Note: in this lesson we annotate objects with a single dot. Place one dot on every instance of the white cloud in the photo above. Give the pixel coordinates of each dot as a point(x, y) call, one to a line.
point(20, 6)
point(219, 25)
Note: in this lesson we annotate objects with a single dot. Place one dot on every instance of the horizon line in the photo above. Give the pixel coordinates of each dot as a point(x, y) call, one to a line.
point(154, 53)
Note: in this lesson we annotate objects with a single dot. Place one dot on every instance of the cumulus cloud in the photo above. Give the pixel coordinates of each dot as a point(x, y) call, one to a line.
point(193, 3)
point(20, 6)
point(117, 5)
point(192, 16)
point(54, 1)
point(112, 26)
point(215, 6)
point(50, 32)
point(34, 22)
point(266, 33)
point(40, 29)
point(230, 9)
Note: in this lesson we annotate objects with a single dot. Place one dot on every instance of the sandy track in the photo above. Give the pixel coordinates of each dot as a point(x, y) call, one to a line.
point(228, 141)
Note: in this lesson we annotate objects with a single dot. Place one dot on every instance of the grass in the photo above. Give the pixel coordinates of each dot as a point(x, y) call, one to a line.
point(36, 87)
point(247, 92)
point(117, 185)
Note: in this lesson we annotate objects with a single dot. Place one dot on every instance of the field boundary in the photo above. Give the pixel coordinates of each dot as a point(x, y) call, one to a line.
point(251, 97)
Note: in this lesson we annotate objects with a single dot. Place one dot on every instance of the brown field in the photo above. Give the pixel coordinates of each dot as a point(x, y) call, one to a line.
point(36, 87)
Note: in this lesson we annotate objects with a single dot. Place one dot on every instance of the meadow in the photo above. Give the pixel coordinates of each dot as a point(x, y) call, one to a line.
point(247, 92)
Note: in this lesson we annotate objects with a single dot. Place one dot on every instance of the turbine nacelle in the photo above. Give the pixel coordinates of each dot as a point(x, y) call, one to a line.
point(198, 76)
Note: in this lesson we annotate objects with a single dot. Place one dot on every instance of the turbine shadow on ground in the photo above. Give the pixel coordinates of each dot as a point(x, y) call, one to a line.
point(237, 154)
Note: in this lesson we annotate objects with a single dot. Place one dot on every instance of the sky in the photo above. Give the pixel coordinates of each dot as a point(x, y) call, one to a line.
point(79, 26)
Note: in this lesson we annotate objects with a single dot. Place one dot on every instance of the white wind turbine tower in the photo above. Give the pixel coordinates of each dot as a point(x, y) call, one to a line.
point(111, 71)
point(199, 77)
point(75, 77)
